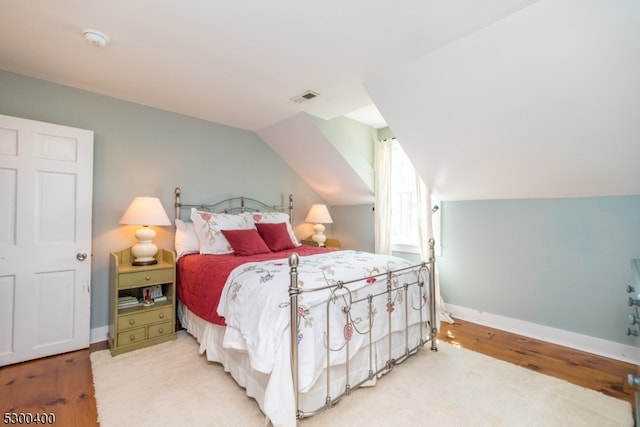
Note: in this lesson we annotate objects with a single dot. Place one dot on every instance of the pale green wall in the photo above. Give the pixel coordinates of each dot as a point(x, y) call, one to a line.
point(353, 225)
point(385, 133)
point(145, 151)
point(562, 263)
point(354, 141)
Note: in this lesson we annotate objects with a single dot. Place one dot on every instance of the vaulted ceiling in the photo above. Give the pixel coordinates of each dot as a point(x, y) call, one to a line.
point(500, 98)
point(232, 62)
point(544, 103)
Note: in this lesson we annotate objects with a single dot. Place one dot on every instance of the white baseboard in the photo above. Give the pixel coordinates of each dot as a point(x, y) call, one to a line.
point(612, 350)
point(98, 334)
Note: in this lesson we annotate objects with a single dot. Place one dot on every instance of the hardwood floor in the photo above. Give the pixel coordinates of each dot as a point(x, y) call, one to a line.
point(584, 369)
point(63, 384)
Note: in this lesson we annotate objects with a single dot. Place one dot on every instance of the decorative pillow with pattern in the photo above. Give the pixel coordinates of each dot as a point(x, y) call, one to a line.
point(273, 218)
point(209, 226)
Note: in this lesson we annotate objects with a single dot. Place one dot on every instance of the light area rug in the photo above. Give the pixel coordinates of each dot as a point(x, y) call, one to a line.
point(170, 384)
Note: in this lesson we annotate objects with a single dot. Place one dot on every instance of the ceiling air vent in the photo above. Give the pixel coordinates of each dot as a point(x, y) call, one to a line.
point(304, 97)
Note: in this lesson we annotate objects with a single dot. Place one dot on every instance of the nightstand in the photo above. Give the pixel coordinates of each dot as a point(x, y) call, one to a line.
point(132, 323)
point(329, 243)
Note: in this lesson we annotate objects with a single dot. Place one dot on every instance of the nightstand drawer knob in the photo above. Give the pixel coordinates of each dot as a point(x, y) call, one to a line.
point(161, 330)
point(132, 321)
point(147, 278)
point(161, 315)
point(132, 337)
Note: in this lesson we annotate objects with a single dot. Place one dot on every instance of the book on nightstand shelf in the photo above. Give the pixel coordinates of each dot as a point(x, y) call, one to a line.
point(128, 301)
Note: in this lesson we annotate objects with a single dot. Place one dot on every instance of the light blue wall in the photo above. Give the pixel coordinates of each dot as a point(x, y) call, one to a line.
point(563, 263)
point(142, 151)
point(354, 141)
point(352, 224)
point(354, 227)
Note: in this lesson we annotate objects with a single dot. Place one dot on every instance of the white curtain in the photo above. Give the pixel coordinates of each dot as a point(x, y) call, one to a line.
point(425, 232)
point(382, 184)
point(382, 213)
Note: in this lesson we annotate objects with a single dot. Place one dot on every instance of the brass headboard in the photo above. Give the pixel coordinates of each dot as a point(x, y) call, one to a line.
point(233, 205)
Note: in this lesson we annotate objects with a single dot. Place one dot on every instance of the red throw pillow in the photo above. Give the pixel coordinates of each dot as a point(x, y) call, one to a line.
point(275, 235)
point(246, 242)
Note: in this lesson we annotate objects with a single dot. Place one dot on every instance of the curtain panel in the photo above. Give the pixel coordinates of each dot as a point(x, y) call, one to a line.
point(383, 213)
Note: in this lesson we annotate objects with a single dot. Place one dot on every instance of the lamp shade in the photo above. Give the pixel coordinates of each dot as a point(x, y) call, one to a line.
point(319, 214)
point(145, 211)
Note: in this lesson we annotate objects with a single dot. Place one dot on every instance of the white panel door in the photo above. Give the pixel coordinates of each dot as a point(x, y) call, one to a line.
point(46, 180)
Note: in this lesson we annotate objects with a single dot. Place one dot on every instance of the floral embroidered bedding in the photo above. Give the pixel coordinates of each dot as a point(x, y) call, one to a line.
point(249, 296)
point(244, 281)
point(201, 278)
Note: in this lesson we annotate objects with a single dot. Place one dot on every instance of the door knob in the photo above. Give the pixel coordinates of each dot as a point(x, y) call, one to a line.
point(81, 256)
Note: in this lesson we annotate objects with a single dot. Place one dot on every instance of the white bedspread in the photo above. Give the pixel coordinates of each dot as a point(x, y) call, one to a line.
point(255, 304)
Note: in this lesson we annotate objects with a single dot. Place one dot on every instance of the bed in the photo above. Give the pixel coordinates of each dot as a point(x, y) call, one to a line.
point(243, 280)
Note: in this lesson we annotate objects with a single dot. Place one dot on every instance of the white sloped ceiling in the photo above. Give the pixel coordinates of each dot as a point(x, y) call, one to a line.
point(302, 145)
point(544, 103)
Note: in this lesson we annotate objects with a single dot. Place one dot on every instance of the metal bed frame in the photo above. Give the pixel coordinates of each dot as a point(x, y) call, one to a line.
point(341, 291)
point(232, 205)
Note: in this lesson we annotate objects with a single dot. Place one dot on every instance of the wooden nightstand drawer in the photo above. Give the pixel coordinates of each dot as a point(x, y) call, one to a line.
point(144, 318)
point(131, 337)
point(144, 278)
point(159, 330)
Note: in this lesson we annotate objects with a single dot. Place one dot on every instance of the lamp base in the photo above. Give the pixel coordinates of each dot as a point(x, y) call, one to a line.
point(138, 263)
point(144, 251)
point(318, 235)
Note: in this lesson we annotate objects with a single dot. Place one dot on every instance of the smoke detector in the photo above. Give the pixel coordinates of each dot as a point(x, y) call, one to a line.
point(95, 37)
point(304, 97)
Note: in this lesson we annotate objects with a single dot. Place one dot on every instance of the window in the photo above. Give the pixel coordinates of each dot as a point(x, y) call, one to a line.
point(404, 216)
point(403, 203)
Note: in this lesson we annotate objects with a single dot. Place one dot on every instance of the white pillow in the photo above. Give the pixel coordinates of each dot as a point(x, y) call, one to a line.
point(208, 226)
point(186, 240)
point(273, 218)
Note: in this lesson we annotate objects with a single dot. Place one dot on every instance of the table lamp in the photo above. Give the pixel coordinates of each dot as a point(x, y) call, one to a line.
point(145, 211)
point(319, 215)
